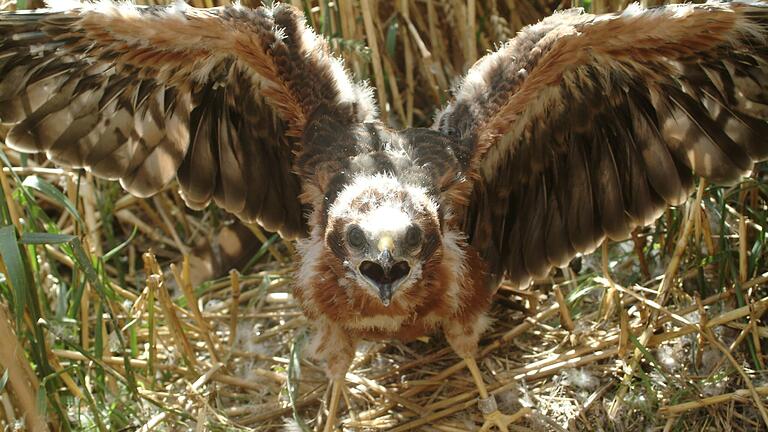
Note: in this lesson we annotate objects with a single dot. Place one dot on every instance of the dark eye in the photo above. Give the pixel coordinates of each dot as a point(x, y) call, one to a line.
point(356, 237)
point(412, 237)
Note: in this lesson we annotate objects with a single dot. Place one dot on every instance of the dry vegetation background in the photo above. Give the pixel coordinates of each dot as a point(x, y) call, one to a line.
point(105, 325)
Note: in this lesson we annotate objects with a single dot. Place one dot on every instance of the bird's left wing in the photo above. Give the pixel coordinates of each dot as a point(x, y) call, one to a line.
point(146, 94)
point(586, 126)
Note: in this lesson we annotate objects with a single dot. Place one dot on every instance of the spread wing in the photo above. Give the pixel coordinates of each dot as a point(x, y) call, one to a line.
point(586, 126)
point(211, 97)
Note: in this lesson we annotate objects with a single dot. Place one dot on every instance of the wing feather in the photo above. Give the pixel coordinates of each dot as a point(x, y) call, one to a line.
point(587, 126)
point(229, 191)
point(557, 243)
point(697, 139)
point(660, 167)
point(534, 216)
point(198, 172)
point(149, 94)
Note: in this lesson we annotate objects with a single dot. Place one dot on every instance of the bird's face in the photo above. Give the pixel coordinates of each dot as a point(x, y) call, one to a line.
point(382, 231)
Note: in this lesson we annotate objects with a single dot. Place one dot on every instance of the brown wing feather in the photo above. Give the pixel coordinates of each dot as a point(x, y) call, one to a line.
point(145, 95)
point(584, 127)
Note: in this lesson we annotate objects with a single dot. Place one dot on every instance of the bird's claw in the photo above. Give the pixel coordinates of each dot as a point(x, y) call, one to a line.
point(501, 421)
point(494, 417)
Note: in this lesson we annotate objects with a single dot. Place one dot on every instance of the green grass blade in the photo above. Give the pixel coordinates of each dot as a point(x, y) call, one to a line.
point(106, 295)
point(117, 249)
point(36, 238)
point(50, 191)
point(391, 41)
point(17, 273)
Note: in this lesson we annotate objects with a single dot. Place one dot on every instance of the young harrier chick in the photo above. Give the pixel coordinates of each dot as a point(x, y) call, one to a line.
point(580, 128)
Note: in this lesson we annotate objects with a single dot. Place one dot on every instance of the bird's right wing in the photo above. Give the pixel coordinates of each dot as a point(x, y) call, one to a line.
point(146, 94)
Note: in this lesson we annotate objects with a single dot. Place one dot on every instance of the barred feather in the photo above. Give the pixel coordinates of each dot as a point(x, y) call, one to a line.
point(603, 120)
point(149, 94)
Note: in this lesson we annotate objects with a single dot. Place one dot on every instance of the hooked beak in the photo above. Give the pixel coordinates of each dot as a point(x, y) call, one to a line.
point(385, 274)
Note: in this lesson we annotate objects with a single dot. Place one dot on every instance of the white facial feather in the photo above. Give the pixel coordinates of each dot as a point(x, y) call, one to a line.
point(386, 219)
point(386, 185)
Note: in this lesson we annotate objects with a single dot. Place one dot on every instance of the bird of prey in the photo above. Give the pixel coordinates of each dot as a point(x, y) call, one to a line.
point(580, 128)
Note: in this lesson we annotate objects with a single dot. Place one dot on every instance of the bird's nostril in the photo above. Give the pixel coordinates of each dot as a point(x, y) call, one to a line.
point(376, 273)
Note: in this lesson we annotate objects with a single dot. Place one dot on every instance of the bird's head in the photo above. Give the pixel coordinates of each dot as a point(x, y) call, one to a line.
point(383, 231)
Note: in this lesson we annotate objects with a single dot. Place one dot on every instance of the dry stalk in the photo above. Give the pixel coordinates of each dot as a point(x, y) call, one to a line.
point(607, 305)
point(661, 297)
point(202, 380)
point(35, 170)
point(427, 419)
point(8, 417)
point(22, 382)
point(703, 318)
point(174, 325)
point(176, 209)
point(372, 37)
point(259, 233)
point(471, 45)
point(66, 377)
point(153, 216)
point(624, 327)
point(383, 391)
point(244, 297)
point(223, 378)
point(429, 69)
point(721, 319)
point(637, 243)
point(761, 331)
point(736, 342)
point(708, 238)
point(126, 216)
point(565, 314)
point(408, 55)
point(738, 396)
point(93, 244)
point(303, 401)
point(183, 281)
point(397, 99)
point(234, 279)
point(751, 388)
point(754, 319)
point(166, 222)
point(743, 239)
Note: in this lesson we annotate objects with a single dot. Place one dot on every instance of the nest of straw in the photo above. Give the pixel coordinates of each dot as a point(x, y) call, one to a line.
point(118, 313)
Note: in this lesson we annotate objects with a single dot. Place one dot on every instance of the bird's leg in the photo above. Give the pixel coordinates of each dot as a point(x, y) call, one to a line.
point(337, 386)
point(463, 335)
point(487, 402)
point(336, 349)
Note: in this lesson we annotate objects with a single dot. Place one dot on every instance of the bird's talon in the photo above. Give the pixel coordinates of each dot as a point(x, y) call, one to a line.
point(496, 418)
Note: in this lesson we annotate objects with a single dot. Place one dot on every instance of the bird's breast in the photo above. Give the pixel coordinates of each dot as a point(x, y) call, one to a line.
point(403, 328)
